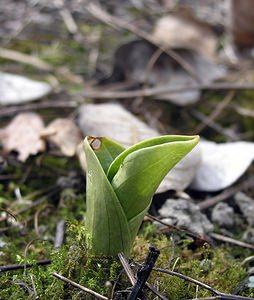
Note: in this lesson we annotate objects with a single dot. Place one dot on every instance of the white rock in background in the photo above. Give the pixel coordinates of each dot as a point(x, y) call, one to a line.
point(113, 121)
point(222, 164)
point(15, 89)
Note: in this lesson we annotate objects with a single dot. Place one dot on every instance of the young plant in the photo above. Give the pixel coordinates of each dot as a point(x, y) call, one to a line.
point(120, 186)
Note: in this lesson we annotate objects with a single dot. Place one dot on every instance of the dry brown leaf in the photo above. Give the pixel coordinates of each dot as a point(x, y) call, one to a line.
point(185, 31)
point(23, 135)
point(64, 134)
point(113, 121)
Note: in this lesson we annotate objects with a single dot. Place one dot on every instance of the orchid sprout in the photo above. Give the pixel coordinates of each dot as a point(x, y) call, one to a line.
point(120, 186)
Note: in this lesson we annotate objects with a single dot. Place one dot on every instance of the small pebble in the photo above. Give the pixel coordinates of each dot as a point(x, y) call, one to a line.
point(185, 214)
point(246, 205)
point(223, 215)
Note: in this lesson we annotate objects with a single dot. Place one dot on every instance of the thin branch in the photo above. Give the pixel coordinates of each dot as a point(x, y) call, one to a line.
point(127, 268)
point(12, 110)
point(132, 278)
point(227, 239)
point(226, 194)
point(78, 286)
point(39, 64)
point(149, 92)
point(25, 59)
point(217, 111)
point(218, 294)
point(15, 267)
point(215, 126)
point(176, 228)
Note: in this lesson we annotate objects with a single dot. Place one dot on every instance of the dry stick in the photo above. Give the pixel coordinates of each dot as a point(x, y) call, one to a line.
point(32, 205)
point(148, 92)
point(15, 267)
point(172, 227)
point(203, 285)
point(247, 260)
point(39, 64)
point(227, 239)
point(115, 22)
point(218, 110)
point(25, 59)
point(226, 194)
point(244, 111)
point(67, 17)
point(132, 278)
point(69, 21)
point(127, 268)
point(7, 111)
point(198, 115)
point(82, 288)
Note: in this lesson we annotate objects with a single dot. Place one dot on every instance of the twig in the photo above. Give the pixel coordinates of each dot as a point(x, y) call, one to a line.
point(105, 17)
point(218, 294)
point(144, 273)
point(25, 59)
point(148, 92)
point(216, 112)
point(15, 267)
point(127, 268)
point(32, 205)
point(244, 111)
point(227, 239)
point(218, 128)
point(39, 64)
point(76, 285)
point(67, 17)
point(8, 111)
point(226, 194)
point(132, 278)
point(247, 260)
point(176, 228)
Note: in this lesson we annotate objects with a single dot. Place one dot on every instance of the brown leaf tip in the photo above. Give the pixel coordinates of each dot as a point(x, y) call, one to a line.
point(95, 142)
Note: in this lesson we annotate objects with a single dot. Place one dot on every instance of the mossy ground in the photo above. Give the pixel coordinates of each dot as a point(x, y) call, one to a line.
point(31, 238)
point(218, 267)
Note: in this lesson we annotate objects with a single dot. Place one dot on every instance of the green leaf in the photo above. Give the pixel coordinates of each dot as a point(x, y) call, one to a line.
point(106, 222)
point(120, 186)
point(141, 168)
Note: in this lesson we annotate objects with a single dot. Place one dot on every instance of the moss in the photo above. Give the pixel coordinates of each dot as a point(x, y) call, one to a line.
point(216, 267)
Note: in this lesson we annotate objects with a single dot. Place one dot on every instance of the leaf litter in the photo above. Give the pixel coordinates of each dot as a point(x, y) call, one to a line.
point(23, 135)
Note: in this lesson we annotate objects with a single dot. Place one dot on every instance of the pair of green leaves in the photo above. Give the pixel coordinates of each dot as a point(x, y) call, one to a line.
point(120, 186)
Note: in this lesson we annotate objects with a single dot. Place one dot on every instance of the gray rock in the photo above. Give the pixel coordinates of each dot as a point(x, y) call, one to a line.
point(223, 215)
point(184, 214)
point(246, 205)
point(248, 236)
